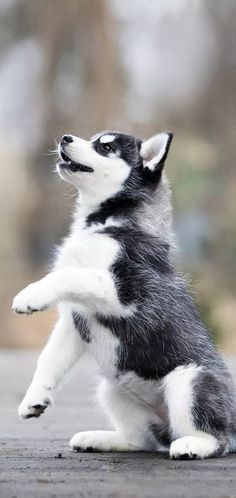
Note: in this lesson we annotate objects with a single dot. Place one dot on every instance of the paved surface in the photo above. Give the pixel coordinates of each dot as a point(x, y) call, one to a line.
point(35, 460)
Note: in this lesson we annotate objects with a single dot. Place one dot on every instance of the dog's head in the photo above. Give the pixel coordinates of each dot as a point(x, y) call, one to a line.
point(113, 163)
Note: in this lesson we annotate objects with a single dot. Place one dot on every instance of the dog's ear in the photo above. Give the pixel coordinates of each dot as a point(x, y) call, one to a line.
point(154, 152)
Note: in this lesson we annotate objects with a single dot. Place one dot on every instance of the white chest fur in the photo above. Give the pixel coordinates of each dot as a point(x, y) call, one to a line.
point(87, 249)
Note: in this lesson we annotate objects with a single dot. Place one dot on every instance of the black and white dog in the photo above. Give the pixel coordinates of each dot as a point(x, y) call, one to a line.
point(121, 300)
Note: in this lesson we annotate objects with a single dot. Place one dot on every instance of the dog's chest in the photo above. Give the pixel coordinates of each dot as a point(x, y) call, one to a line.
point(86, 249)
point(98, 341)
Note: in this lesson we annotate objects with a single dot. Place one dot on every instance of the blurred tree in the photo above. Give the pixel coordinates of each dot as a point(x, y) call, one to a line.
point(79, 38)
point(80, 66)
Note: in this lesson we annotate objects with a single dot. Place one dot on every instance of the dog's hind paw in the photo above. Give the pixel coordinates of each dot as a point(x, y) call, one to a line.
point(100, 441)
point(193, 447)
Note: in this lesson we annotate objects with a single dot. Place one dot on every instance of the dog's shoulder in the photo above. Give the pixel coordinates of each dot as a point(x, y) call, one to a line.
point(140, 248)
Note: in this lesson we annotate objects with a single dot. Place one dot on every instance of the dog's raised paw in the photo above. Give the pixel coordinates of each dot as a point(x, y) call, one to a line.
point(31, 299)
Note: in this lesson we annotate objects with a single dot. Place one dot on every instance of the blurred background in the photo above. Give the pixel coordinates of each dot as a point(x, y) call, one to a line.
point(140, 66)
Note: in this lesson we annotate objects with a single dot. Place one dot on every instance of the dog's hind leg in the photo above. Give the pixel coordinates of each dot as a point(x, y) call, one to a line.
point(196, 422)
point(132, 422)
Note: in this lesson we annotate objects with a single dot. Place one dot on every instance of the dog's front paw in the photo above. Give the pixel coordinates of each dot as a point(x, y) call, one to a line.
point(34, 403)
point(35, 297)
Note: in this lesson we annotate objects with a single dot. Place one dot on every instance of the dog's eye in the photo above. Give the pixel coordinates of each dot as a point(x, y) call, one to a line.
point(107, 147)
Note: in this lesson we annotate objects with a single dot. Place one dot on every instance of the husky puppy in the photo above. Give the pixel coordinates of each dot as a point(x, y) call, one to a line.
point(120, 299)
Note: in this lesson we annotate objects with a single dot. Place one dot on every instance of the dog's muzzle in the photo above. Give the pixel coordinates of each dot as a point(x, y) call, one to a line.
point(67, 163)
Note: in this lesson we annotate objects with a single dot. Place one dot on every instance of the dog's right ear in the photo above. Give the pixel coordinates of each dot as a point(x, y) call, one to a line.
point(154, 152)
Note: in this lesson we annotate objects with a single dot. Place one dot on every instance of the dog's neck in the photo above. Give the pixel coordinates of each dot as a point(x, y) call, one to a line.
point(115, 211)
point(153, 215)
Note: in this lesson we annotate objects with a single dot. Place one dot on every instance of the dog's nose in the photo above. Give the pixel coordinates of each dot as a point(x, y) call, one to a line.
point(66, 139)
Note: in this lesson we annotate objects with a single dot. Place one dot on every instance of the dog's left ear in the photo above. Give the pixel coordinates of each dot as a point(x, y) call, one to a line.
point(154, 152)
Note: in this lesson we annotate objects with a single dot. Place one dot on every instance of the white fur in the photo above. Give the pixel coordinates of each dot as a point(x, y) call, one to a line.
point(107, 138)
point(81, 282)
point(130, 415)
point(101, 441)
point(93, 288)
point(179, 398)
point(107, 177)
point(201, 445)
point(61, 352)
point(81, 276)
point(178, 386)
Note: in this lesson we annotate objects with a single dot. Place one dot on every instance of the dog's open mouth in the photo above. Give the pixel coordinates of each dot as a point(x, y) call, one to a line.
point(68, 164)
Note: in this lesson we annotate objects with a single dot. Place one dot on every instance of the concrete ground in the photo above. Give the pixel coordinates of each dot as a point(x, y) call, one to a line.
point(35, 460)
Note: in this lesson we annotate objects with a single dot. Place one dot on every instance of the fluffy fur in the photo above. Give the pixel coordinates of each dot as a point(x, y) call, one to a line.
point(122, 301)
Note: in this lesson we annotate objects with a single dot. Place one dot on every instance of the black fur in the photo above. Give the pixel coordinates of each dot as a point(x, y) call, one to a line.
point(116, 207)
point(81, 325)
point(161, 434)
point(211, 411)
point(165, 331)
point(138, 187)
point(126, 146)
